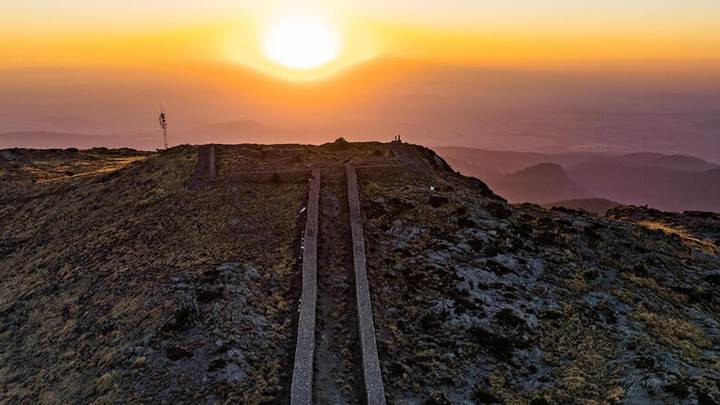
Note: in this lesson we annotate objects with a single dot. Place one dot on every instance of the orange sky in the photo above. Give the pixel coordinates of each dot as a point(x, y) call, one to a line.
point(525, 34)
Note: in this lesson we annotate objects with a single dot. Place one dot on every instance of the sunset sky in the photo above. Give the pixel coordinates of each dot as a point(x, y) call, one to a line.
point(552, 75)
point(518, 33)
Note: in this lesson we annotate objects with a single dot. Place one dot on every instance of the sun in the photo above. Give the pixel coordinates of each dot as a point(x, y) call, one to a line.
point(301, 41)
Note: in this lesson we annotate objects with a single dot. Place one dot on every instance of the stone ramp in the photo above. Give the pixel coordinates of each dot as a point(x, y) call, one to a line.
point(374, 389)
point(301, 388)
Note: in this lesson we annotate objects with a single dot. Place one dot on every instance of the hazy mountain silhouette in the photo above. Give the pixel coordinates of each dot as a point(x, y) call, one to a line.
point(668, 182)
point(659, 160)
point(493, 165)
point(666, 189)
point(684, 162)
point(62, 140)
point(46, 139)
point(541, 183)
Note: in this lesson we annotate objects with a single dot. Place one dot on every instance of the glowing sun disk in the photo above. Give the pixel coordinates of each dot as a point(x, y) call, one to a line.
point(301, 41)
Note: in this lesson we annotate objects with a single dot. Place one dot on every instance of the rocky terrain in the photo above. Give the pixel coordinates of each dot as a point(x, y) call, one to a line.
point(480, 301)
point(123, 278)
point(126, 285)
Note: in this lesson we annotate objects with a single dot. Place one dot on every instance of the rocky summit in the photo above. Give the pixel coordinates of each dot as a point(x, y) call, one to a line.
point(136, 277)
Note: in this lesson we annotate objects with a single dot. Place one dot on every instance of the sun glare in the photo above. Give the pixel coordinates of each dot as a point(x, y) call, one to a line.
point(301, 41)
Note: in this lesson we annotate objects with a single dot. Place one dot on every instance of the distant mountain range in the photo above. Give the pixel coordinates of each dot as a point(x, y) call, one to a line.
point(656, 160)
point(53, 140)
point(231, 132)
point(540, 183)
point(668, 182)
point(62, 140)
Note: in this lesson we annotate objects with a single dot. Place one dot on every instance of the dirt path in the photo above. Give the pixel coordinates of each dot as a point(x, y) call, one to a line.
point(338, 368)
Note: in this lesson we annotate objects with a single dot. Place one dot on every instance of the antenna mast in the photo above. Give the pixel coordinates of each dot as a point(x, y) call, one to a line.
point(163, 124)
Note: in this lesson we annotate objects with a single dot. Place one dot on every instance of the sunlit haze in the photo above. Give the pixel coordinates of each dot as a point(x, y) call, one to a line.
point(528, 75)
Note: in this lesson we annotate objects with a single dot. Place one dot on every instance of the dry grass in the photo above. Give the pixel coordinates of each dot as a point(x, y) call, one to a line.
point(39, 166)
point(651, 284)
point(44, 172)
point(685, 236)
point(674, 333)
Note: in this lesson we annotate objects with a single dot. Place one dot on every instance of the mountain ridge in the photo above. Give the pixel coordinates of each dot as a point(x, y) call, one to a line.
point(670, 182)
